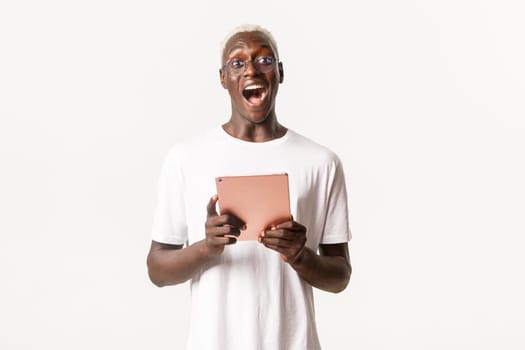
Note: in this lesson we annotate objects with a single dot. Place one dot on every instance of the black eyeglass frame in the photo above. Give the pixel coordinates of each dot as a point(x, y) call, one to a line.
point(261, 68)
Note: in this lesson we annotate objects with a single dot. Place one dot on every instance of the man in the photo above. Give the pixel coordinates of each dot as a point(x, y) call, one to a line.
point(251, 294)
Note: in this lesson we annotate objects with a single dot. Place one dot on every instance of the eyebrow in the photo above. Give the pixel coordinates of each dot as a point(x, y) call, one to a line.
point(242, 44)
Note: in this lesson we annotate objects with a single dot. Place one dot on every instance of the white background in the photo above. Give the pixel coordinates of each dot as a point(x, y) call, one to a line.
point(422, 100)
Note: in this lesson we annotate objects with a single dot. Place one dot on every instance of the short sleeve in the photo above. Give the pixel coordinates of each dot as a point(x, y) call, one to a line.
point(169, 223)
point(336, 227)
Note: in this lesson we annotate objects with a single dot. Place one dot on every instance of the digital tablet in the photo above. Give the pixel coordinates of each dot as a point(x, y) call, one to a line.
point(259, 200)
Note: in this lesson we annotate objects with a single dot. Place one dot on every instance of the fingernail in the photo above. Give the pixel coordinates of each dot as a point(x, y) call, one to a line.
point(262, 233)
point(273, 227)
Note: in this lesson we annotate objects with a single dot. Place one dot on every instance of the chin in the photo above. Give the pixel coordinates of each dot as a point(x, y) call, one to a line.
point(257, 114)
point(256, 118)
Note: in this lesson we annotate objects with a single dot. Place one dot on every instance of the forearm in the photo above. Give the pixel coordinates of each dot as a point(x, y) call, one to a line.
point(329, 273)
point(176, 265)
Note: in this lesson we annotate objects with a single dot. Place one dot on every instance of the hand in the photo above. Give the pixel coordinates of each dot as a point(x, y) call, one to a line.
point(287, 238)
point(220, 229)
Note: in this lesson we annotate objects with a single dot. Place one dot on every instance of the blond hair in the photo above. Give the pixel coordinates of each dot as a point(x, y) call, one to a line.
point(243, 28)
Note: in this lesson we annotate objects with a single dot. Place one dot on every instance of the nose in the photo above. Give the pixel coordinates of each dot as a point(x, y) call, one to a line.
point(250, 69)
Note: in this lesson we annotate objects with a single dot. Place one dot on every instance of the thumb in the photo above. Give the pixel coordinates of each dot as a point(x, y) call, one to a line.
point(211, 208)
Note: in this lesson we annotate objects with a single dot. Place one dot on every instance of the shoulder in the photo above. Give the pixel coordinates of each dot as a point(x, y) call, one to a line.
point(316, 152)
point(192, 145)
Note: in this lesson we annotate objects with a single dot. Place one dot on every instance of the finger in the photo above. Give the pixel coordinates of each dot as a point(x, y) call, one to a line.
point(291, 225)
point(287, 255)
point(218, 241)
point(211, 207)
point(274, 247)
point(286, 224)
point(283, 234)
point(277, 242)
point(289, 241)
point(283, 246)
point(227, 219)
point(223, 230)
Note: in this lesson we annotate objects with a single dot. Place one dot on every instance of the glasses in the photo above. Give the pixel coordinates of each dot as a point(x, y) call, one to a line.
point(262, 64)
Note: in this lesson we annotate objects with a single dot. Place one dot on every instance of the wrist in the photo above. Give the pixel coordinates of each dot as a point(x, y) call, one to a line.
point(204, 251)
point(298, 259)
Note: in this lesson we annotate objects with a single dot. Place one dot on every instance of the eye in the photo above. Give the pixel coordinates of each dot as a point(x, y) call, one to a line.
point(265, 60)
point(237, 63)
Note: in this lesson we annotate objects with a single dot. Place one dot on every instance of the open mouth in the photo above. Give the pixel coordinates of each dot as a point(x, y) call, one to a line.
point(254, 93)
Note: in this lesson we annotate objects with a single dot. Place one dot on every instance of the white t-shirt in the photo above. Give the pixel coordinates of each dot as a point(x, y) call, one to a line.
point(250, 298)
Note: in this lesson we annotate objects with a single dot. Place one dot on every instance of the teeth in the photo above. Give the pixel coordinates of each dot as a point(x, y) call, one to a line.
point(254, 86)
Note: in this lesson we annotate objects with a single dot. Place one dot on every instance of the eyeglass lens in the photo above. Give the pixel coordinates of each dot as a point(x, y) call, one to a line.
point(263, 64)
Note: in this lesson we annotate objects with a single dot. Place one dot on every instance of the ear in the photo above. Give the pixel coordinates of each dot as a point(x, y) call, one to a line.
point(221, 75)
point(281, 73)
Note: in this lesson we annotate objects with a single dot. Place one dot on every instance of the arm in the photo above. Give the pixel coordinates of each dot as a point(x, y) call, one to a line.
point(172, 264)
point(328, 271)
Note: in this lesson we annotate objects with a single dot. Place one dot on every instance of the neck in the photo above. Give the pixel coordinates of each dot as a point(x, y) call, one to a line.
point(245, 130)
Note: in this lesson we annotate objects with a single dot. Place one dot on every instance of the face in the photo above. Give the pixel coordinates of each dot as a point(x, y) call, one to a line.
point(251, 90)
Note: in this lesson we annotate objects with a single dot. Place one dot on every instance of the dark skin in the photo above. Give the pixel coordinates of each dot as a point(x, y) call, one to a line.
point(329, 270)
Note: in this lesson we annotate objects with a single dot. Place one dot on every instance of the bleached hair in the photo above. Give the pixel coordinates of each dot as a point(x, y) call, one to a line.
point(250, 28)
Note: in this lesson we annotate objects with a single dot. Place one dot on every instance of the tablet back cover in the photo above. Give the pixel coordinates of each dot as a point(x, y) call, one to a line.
point(259, 200)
